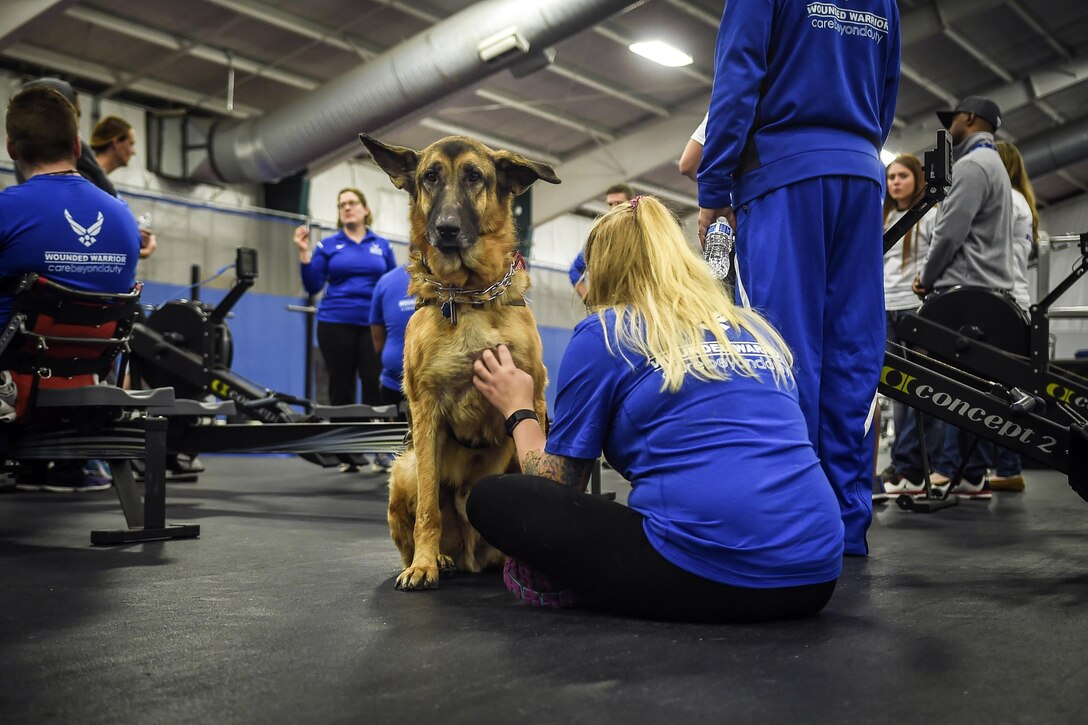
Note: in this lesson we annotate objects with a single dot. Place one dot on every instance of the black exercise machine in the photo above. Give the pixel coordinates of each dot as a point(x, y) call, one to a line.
point(985, 366)
point(187, 345)
point(55, 342)
point(986, 332)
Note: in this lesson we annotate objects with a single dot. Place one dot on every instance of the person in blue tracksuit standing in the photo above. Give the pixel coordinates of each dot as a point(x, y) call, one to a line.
point(803, 100)
point(347, 266)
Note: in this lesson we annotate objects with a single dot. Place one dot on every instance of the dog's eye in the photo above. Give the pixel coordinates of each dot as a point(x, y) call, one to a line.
point(474, 176)
point(430, 176)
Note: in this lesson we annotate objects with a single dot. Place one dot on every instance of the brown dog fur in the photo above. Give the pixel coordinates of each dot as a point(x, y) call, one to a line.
point(462, 232)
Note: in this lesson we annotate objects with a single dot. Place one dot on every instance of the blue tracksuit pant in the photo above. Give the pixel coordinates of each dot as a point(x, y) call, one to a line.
point(809, 257)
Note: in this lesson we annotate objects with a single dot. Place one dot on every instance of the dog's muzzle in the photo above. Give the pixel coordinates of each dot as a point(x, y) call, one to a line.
point(449, 238)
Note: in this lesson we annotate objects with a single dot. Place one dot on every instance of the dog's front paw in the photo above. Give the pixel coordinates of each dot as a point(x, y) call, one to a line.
point(446, 566)
point(418, 577)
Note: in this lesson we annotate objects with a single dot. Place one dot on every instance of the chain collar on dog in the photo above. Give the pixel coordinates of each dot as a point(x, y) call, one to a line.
point(455, 296)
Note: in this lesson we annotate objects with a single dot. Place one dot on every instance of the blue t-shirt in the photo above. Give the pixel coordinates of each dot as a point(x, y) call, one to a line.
point(70, 231)
point(723, 471)
point(348, 272)
point(392, 307)
point(578, 267)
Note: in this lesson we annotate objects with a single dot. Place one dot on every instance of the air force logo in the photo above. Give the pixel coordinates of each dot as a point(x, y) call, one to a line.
point(87, 235)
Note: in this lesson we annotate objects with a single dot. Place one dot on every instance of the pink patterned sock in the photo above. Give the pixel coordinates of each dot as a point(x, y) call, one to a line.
point(534, 587)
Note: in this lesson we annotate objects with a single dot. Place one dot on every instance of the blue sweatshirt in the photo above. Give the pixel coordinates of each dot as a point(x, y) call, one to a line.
point(800, 90)
point(350, 272)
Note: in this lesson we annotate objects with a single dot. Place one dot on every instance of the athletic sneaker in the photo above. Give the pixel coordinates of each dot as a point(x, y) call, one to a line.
point(535, 588)
point(973, 491)
point(101, 469)
point(348, 468)
point(381, 463)
point(72, 477)
point(903, 485)
point(1007, 483)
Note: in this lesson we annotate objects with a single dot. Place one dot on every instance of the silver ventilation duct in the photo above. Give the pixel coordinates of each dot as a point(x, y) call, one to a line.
point(1056, 148)
point(469, 46)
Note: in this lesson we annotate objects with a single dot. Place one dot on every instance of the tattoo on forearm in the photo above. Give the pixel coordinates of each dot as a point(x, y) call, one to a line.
point(566, 471)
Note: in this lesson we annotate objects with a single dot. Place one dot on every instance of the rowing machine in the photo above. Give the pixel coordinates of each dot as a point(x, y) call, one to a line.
point(187, 345)
point(966, 377)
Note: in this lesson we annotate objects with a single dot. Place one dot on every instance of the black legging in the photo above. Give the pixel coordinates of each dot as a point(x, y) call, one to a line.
point(349, 353)
point(598, 548)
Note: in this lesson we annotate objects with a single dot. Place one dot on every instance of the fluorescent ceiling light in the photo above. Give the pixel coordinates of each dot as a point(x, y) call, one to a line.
point(661, 52)
point(887, 156)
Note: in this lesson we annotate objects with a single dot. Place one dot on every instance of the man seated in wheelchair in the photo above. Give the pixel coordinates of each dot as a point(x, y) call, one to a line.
point(63, 227)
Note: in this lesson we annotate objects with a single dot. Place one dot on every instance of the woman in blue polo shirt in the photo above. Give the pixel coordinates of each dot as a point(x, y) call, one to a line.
point(347, 265)
point(692, 400)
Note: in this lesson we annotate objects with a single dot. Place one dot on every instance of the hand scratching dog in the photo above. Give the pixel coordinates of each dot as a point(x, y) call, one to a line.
point(470, 283)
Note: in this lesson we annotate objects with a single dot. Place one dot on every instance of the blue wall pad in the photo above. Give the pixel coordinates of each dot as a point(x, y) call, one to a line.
point(268, 340)
point(269, 346)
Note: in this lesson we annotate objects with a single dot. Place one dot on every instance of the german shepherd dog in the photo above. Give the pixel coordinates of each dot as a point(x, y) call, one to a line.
point(470, 284)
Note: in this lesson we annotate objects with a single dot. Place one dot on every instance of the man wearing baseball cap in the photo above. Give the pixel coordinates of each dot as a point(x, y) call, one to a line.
point(984, 108)
point(972, 238)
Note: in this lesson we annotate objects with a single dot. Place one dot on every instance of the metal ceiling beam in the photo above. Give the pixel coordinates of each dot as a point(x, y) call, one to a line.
point(709, 19)
point(661, 192)
point(301, 26)
point(935, 89)
point(81, 68)
point(19, 15)
point(328, 36)
point(932, 18)
point(1035, 25)
point(607, 31)
point(1009, 97)
point(189, 47)
point(415, 10)
point(607, 88)
point(557, 67)
point(975, 52)
point(403, 81)
point(588, 175)
point(536, 108)
point(488, 139)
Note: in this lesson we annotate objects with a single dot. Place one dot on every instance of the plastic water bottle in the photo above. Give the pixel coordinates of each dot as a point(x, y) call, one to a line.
point(719, 245)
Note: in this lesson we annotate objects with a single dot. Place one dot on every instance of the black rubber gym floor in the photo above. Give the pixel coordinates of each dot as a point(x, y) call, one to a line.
point(284, 612)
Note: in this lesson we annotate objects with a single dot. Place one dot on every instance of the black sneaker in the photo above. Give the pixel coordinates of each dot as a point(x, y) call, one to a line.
point(31, 475)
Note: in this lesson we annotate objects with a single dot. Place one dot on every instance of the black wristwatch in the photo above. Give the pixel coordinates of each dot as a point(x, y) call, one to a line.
point(516, 417)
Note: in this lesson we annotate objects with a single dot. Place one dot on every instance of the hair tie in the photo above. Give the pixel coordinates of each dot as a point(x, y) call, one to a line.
point(634, 201)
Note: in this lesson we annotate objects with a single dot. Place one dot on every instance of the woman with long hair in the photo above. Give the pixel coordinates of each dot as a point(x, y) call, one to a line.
point(902, 263)
point(1025, 235)
point(347, 266)
point(1025, 219)
point(691, 398)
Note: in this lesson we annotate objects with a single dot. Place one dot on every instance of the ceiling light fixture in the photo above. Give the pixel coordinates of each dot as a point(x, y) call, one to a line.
point(661, 52)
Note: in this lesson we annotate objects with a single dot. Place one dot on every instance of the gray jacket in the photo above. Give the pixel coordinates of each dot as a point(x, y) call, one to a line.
point(972, 237)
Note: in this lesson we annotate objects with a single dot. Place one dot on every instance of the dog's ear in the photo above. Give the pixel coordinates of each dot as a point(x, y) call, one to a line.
point(397, 161)
point(518, 173)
